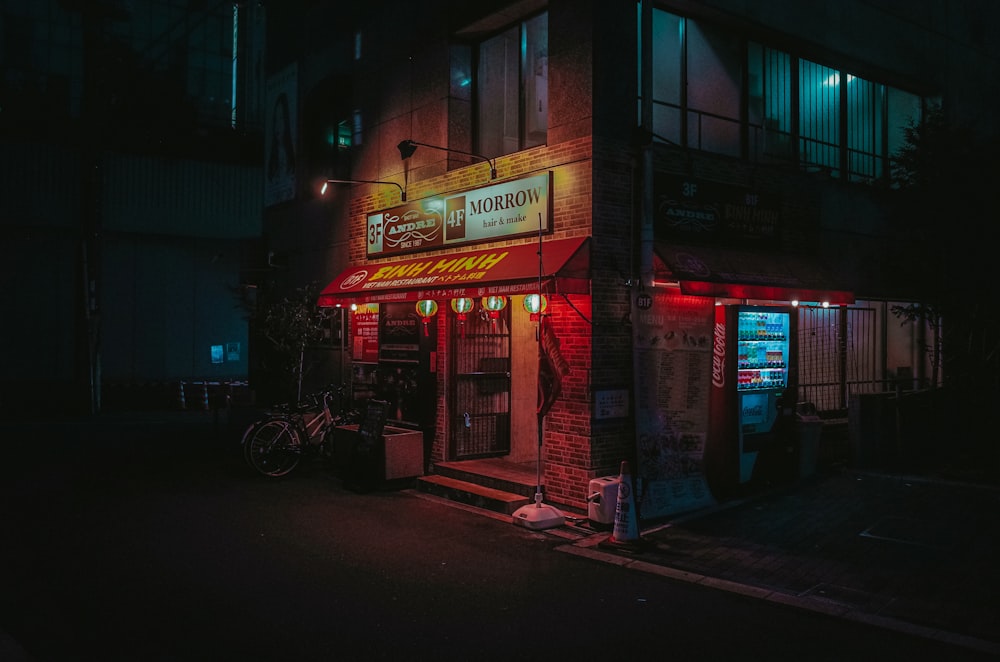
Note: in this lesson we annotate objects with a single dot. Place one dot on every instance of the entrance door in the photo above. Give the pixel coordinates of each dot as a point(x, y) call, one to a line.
point(479, 386)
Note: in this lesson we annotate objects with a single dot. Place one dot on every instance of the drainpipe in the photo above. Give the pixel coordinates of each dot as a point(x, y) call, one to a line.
point(646, 189)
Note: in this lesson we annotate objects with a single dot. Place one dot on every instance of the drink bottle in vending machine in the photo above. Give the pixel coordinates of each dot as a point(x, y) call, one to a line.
point(752, 361)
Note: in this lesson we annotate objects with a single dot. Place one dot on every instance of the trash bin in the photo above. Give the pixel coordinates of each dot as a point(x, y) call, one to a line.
point(808, 428)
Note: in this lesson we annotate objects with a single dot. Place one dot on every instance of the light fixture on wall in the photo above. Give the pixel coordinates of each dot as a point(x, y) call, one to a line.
point(408, 147)
point(326, 184)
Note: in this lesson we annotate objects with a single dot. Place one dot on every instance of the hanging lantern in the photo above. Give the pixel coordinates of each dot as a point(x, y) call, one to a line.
point(536, 305)
point(427, 308)
point(461, 307)
point(494, 305)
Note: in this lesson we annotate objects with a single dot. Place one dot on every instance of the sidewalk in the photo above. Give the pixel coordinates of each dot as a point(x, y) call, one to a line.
point(903, 552)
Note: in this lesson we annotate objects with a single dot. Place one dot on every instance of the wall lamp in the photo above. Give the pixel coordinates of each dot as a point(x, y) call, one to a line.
point(408, 147)
point(322, 190)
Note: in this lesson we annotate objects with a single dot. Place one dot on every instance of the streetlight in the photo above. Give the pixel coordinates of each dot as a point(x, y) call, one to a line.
point(322, 190)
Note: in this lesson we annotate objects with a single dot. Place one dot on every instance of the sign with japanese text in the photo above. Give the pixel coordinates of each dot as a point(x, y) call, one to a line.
point(507, 270)
point(701, 210)
point(500, 211)
point(673, 359)
point(365, 333)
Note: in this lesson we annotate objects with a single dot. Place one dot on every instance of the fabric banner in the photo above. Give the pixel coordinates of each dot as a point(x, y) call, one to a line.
point(552, 367)
point(673, 368)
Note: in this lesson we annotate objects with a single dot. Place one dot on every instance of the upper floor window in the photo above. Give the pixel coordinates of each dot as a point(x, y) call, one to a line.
point(696, 84)
point(512, 88)
point(786, 109)
point(159, 63)
point(823, 117)
point(715, 66)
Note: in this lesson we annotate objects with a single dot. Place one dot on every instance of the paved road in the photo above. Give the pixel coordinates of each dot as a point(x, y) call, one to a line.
point(146, 550)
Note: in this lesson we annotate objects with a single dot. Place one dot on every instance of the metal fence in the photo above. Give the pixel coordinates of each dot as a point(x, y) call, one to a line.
point(839, 356)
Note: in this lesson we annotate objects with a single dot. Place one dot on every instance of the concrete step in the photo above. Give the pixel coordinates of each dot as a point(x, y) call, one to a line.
point(471, 494)
point(497, 474)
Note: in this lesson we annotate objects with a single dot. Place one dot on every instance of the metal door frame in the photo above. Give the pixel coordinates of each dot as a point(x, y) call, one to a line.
point(479, 385)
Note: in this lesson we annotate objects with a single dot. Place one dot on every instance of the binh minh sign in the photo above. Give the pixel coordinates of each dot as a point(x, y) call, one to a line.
point(500, 211)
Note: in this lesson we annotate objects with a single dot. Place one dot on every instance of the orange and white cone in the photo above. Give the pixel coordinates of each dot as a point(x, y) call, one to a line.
point(626, 528)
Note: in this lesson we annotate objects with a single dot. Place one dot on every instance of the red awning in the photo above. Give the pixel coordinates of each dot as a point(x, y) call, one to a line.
point(730, 273)
point(564, 267)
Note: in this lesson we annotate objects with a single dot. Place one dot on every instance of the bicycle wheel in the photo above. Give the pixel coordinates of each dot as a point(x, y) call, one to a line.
point(273, 448)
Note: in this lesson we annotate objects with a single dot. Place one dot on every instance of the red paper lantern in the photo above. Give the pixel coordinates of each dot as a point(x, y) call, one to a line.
point(462, 307)
point(536, 305)
point(494, 305)
point(427, 308)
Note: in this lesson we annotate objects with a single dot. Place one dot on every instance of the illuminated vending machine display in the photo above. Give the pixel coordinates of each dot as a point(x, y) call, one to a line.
point(750, 374)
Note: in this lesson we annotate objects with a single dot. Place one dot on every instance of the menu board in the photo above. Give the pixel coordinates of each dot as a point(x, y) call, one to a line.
point(373, 423)
point(364, 333)
point(673, 367)
point(399, 333)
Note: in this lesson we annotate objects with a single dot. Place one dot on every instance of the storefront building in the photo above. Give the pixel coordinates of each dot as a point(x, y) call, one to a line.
point(649, 169)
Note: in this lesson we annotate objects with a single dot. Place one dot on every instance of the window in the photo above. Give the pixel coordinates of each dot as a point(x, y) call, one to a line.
point(512, 85)
point(865, 123)
point(715, 64)
point(667, 44)
point(819, 115)
point(708, 117)
point(796, 111)
point(770, 104)
point(161, 61)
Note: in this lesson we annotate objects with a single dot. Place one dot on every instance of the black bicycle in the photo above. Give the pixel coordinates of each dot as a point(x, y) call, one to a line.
point(274, 445)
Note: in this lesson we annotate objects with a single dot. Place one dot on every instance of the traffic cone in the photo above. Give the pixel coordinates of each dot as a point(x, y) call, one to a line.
point(625, 533)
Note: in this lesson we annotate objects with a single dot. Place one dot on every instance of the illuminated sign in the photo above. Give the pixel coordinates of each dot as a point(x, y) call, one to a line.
point(501, 211)
point(506, 270)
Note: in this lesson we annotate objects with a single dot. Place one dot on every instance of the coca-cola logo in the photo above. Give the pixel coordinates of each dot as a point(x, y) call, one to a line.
point(719, 356)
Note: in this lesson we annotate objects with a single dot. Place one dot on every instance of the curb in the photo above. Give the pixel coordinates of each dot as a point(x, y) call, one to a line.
point(587, 548)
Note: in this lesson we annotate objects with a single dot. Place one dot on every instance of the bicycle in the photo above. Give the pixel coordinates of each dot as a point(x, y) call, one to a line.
point(274, 445)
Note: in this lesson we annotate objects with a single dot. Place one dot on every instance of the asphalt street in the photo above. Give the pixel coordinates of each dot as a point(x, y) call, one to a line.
point(148, 539)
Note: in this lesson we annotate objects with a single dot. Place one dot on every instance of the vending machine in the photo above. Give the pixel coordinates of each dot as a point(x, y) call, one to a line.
point(753, 361)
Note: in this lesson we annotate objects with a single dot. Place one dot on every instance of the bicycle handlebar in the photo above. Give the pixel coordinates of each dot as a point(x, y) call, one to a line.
point(314, 401)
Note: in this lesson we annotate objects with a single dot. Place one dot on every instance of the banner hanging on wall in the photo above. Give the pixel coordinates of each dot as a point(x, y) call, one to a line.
point(673, 368)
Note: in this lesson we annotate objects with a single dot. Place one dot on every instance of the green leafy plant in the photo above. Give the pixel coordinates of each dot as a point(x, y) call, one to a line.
point(946, 177)
point(288, 326)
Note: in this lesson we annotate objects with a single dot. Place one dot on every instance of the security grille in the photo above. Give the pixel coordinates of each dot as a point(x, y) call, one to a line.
point(479, 393)
point(837, 356)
